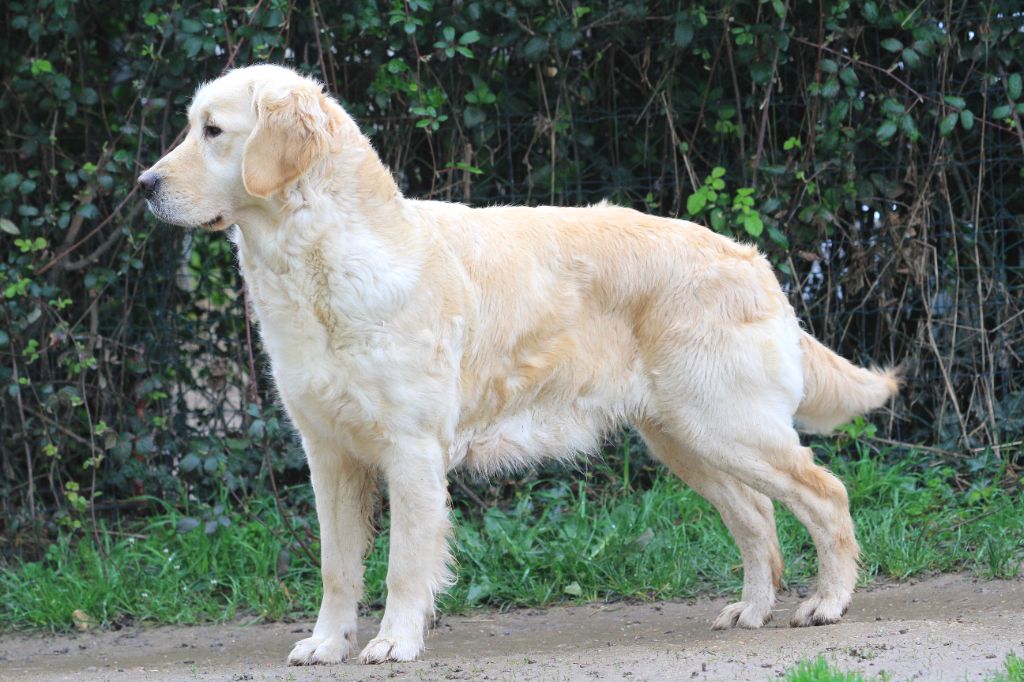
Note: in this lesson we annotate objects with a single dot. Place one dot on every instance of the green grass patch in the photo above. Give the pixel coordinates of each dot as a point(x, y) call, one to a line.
point(1013, 670)
point(819, 670)
point(555, 541)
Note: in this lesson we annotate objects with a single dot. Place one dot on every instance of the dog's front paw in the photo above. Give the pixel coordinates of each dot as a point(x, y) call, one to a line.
point(744, 615)
point(382, 649)
point(821, 610)
point(320, 651)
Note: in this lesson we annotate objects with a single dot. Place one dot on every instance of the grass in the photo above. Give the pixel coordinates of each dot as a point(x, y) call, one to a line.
point(554, 542)
point(819, 670)
point(1013, 670)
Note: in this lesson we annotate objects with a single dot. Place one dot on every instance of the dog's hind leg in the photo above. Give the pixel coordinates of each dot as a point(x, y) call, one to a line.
point(747, 514)
point(344, 491)
point(419, 553)
point(766, 455)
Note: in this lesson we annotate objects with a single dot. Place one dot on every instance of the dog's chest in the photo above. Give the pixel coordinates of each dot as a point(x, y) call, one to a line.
point(342, 369)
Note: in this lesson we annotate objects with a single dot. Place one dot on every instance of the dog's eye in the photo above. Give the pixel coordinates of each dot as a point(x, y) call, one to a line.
point(212, 131)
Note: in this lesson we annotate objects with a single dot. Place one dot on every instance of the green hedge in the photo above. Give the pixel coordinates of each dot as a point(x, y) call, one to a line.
point(872, 149)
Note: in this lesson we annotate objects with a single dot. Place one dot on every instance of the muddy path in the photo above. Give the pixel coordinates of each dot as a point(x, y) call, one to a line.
point(944, 628)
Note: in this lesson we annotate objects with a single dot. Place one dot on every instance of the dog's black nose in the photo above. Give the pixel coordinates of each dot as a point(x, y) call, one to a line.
point(148, 182)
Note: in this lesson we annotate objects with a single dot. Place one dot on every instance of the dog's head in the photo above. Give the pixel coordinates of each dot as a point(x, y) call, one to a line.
point(251, 133)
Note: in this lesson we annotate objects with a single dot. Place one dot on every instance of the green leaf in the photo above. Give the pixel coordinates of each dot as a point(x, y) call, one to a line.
point(829, 66)
point(753, 225)
point(10, 181)
point(151, 19)
point(190, 462)
point(473, 116)
point(891, 107)
point(909, 127)
point(478, 591)
point(1003, 111)
point(911, 58)
point(145, 445)
point(9, 227)
point(469, 37)
point(954, 101)
point(274, 19)
point(967, 119)
point(948, 124)
point(41, 66)
point(536, 48)
point(760, 72)
point(696, 202)
point(925, 48)
point(886, 131)
point(448, 33)
point(718, 220)
point(1013, 86)
point(718, 172)
point(778, 236)
point(870, 11)
point(573, 589)
point(192, 45)
point(683, 35)
point(190, 26)
point(892, 45)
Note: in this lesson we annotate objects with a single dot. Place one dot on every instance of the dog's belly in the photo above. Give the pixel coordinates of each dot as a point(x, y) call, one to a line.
point(527, 438)
point(553, 429)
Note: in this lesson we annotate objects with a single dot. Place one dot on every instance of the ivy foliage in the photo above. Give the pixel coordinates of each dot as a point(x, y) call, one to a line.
point(872, 149)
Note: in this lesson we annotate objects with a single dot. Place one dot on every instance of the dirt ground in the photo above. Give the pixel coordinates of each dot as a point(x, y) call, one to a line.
point(944, 628)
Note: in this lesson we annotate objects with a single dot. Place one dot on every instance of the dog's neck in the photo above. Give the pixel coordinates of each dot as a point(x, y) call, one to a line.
point(348, 187)
point(347, 216)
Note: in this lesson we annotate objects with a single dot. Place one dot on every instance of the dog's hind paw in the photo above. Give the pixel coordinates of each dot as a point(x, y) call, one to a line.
point(320, 651)
point(744, 615)
point(820, 610)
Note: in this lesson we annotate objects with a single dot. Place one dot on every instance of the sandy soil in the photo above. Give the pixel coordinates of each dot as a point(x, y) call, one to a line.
point(944, 628)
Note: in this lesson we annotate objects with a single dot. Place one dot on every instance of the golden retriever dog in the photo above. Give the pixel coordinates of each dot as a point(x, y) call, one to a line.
point(408, 338)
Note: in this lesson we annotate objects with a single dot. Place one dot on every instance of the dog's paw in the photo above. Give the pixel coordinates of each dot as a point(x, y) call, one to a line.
point(382, 649)
point(744, 615)
point(320, 651)
point(821, 610)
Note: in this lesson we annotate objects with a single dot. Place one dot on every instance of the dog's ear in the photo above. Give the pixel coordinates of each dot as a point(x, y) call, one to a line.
point(293, 130)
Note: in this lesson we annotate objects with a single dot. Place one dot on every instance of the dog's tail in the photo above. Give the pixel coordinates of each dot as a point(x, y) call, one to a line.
point(836, 390)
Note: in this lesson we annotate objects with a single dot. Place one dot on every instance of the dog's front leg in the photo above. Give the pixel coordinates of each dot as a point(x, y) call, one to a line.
point(418, 562)
point(344, 491)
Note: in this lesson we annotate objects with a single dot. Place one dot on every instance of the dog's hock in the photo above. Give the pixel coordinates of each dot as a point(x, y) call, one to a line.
point(293, 131)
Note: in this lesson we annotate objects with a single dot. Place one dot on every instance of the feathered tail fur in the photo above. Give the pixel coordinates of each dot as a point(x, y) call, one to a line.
point(836, 390)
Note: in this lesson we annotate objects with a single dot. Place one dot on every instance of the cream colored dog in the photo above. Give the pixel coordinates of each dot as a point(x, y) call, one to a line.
point(409, 337)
